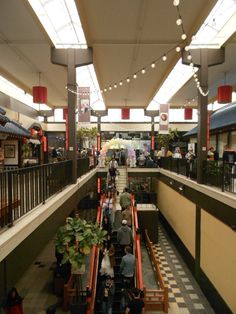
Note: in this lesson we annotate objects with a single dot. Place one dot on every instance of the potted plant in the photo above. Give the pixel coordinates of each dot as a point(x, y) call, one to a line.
point(74, 241)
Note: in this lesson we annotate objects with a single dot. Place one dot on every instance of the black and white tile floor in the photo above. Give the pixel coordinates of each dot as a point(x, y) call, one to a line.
point(185, 296)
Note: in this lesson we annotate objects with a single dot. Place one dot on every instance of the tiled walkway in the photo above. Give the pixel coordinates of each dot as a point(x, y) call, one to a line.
point(185, 296)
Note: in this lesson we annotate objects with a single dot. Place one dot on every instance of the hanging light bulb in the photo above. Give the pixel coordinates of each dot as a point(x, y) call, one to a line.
point(189, 57)
point(194, 75)
point(128, 80)
point(121, 83)
point(175, 3)
point(186, 48)
point(179, 21)
point(164, 58)
point(135, 76)
point(178, 49)
point(105, 89)
point(196, 79)
point(110, 88)
point(191, 64)
point(115, 85)
point(183, 36)
point(143, 71)
point(153, 65)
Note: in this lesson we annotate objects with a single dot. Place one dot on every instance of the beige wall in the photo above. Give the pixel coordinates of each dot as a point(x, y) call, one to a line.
point(218, 257)
point(179, 212)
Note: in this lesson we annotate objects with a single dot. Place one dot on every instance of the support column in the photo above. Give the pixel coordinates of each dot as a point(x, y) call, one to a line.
point(203, 58)
point(72, 58)
point(202, 115)
point(71, 81)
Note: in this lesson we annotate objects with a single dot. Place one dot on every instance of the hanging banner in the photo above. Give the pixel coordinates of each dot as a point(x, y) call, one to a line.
point(164, 119)
point(84, 106)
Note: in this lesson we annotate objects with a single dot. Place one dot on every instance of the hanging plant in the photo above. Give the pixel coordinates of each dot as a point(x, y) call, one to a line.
point(76, 239)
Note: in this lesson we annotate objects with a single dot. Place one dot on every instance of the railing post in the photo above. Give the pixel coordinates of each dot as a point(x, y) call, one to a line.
point(43, 183)
point(222, 178)
point(9, 215)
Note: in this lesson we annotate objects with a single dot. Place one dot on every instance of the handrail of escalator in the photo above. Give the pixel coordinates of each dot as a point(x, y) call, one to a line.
point(138, 259)
point(91, 288)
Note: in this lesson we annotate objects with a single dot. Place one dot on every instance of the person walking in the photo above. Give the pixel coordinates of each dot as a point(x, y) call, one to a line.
point(106, 295)
point(124, 235)
point(125, 199)
point(127, 267)
point(127, 215)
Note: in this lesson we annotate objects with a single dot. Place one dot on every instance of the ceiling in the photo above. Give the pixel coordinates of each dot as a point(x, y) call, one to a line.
point(125, 36)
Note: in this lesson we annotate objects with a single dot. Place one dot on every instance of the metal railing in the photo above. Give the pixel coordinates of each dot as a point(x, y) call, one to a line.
point(84, 165)
point(23, 189)
point(215, 173)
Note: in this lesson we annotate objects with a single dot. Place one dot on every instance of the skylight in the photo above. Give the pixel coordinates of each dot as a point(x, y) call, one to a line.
point(61, 21)
point(218, 27)
point(214, 32)
point(86, 77)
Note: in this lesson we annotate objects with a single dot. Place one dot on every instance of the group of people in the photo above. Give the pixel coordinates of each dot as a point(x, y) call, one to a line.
point(131, 301)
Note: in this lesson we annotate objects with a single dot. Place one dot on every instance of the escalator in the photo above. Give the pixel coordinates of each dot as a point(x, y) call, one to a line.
point(117, 280)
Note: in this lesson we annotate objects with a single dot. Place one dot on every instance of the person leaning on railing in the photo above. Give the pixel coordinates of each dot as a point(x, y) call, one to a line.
point(190, 156)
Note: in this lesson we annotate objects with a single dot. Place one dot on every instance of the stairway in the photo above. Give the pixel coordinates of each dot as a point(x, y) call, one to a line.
point(117, 280)
point(122, 179)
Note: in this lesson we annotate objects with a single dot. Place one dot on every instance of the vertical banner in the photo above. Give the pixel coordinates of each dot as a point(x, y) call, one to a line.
point(164, 119)
point(84, 106)
point(153, 142)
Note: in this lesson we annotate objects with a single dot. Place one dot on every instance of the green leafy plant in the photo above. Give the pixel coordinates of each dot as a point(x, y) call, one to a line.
point(76, 239)
point(165, 139)
point(88, 132)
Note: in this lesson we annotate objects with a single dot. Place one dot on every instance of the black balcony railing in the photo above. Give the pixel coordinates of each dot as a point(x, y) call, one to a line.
point(84, 165)
point(23, 189)
point(215, 173)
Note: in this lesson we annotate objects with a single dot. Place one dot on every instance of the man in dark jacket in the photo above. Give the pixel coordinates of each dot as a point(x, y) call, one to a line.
point(124, 235)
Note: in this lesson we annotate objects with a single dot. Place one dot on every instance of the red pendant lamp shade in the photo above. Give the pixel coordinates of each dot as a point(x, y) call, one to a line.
point(40, 95)
point(188, 113)
point(224, 94)
point(125, 113)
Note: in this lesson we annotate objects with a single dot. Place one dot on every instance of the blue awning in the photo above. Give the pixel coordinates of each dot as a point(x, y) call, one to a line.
point(220, 119)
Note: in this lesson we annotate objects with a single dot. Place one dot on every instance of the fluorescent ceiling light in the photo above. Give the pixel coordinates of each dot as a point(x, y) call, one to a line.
point(218, 26)
point(61, 21)
point(176, 79)
point(86, 77)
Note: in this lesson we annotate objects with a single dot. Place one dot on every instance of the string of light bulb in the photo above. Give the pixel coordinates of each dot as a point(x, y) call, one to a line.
point(152, 65)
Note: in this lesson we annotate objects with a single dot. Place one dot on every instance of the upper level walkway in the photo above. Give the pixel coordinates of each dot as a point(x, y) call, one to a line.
point(24, 188)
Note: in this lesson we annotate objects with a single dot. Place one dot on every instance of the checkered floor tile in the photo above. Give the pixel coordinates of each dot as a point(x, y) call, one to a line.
point(185, 295)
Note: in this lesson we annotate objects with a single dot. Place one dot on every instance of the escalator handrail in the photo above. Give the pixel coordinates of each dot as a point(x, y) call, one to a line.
point(139, 274)
point(94, 267)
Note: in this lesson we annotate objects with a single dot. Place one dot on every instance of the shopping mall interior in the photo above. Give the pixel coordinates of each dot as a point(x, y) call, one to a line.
point(117, 115)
